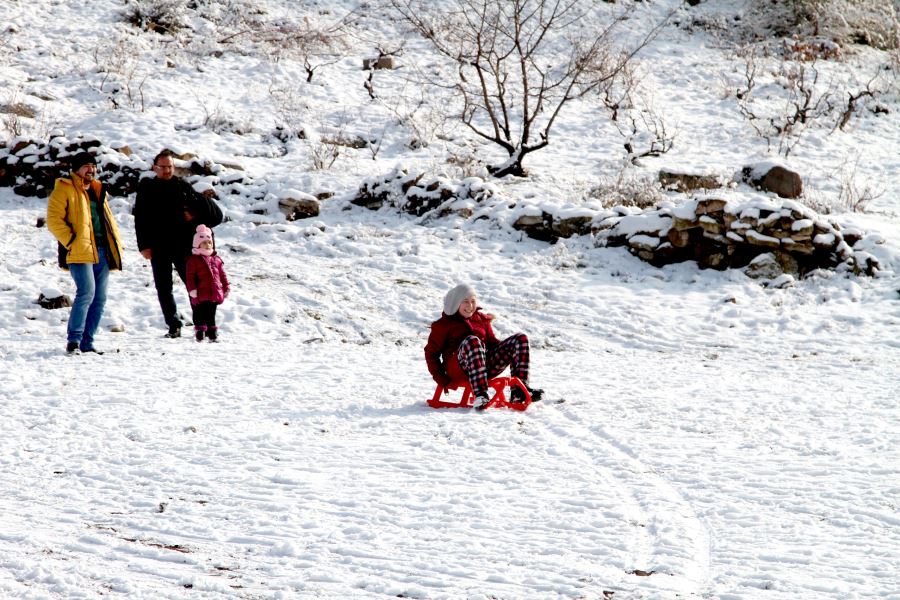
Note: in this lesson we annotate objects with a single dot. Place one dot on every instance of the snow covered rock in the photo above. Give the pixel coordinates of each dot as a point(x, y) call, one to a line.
point(295, 204)
point(53, 299)
point(770, 177)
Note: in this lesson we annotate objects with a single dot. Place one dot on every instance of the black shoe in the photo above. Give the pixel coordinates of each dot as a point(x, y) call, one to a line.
point(212, 335)
point(94, 350)
point(174, 331)
point(71, 347)
point(198, 335)
point(517, 396)
point(481, 402)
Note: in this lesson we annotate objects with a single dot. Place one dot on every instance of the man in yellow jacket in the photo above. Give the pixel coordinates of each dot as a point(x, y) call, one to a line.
point(79, 217)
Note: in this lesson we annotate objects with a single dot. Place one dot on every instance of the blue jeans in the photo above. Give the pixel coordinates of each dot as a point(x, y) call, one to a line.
point(90, 298)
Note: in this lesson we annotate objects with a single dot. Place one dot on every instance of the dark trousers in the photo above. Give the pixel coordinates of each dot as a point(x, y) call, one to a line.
point(205, 316)
point(162, 262)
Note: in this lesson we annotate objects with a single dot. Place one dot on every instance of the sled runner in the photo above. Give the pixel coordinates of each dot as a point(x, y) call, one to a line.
point(498, 398)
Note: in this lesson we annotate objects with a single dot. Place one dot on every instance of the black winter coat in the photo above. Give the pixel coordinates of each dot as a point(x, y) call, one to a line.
point(166, 215)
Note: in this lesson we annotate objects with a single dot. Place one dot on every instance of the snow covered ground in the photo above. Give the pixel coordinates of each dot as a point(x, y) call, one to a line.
point(702, 436)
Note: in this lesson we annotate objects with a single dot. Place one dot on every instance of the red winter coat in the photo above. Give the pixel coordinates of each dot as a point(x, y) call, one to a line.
point(206, 275)
point(447, 333)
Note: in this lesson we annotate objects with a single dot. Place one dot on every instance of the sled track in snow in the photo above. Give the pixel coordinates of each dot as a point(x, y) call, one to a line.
point(671, 545)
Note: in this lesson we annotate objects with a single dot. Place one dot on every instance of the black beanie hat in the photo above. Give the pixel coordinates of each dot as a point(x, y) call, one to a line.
point(81, 159)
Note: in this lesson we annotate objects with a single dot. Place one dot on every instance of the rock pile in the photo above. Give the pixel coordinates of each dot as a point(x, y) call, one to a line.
point(720, 234)
point(31, 167)
point(547, 227)
point(410, 194)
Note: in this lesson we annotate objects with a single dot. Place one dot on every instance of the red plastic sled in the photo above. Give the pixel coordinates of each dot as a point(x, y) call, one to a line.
point(498, 399)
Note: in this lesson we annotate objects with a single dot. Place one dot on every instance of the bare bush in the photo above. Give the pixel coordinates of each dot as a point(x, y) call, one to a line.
point(414, 111)
point(818, 201)
point(21, 119)
point(290, 109)
point(233, 14)
point(783, 91)
point(515, 65)
point(855, 192)
point(15, 114)
point(218, 120)
point(324, 153)
point(865, 92)
point(313, 42)
point(315, 45)
point(618, 94)
point(327, 145)
point(123, 73)
point(12, 124)
point(782, 98)
point(628, 189)
point(462, 164)
point(645, 130)
point(870, 22)
point(160, 16)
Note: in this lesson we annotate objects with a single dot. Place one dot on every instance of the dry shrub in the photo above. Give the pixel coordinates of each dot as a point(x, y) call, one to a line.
point(870, 22)
point(160, 16)
point(628, 189)
point(854, 191)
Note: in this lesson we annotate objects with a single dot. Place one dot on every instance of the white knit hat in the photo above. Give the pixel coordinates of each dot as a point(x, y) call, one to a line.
point(455, 297)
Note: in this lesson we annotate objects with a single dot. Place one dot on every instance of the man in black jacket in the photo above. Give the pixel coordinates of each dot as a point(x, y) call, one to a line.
point(167, 211)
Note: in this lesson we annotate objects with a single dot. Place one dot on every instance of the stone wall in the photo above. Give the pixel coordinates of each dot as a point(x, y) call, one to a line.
point(721, 234)
point(416, 195)
point(31, 168)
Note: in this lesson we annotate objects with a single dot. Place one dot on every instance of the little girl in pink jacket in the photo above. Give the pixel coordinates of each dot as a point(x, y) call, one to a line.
point(207, 284)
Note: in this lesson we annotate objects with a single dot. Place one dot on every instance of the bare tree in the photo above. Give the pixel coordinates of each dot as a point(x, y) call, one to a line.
point(800, 99)
point(646, 133)
point(317, 44)
point(519, 62)
point(874, 87)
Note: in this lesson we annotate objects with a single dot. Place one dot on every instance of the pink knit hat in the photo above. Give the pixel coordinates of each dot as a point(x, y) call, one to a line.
point(203, 233)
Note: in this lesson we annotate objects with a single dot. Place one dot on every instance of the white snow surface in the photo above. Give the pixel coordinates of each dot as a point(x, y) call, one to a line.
point(702, 435)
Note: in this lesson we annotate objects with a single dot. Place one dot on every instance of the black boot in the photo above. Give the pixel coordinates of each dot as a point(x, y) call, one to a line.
point(517, 396)
point(198, 335)
point(212, 334)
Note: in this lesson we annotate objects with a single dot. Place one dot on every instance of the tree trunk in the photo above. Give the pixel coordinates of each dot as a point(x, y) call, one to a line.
point(508, 168)
point(511, 166)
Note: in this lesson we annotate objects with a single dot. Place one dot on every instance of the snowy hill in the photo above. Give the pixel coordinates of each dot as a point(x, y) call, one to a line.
point(703, 436)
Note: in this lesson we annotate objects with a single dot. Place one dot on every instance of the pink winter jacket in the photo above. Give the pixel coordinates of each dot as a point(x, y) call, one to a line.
point(206, 275)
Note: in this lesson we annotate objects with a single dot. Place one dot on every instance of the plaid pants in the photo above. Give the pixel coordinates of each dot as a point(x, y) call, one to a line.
point(480, 364)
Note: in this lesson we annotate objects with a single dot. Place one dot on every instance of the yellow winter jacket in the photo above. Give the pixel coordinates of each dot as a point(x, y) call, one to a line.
point(69, 220)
